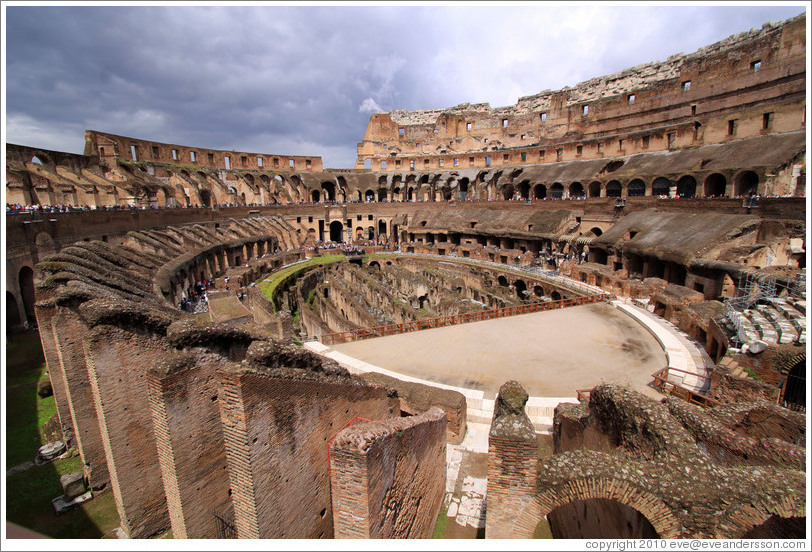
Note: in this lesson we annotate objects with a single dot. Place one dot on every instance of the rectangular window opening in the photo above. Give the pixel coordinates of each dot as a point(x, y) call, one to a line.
point(291, 163)
point(766, 120)
point(193, 156)
point(211, 158)
point(543, 116)
point(504, 123)
point(134, 152)
point(259, 161)
point(156, 153)
point(586, 110)
point(755, 66)
point(524, 156)
point(175, 154)
point(631, 98)
point(731, 126)
point(401, 131)
point(228, 162)
point(686, 86)
point(243, 160)
point(468, 126)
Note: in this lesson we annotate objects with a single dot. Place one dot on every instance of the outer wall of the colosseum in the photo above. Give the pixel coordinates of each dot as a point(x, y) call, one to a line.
point(276, 433)
point(388, 478)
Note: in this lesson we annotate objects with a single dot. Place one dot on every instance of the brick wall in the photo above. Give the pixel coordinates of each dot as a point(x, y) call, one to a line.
point(191, 449)
point(276, 432)
point(117, 361)
point(388, 478)
point(69, 331)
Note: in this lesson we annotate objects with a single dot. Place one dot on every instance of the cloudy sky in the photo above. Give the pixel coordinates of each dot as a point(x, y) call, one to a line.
point(296, 80)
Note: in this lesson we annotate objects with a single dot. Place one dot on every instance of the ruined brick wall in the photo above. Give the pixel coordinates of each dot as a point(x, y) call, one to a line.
point(388, 478)
point(183, 396)
point(513, 450)
point(121, 147)
point(117, 361)
point(276, 433)
point(683, 101)
point(725, 387)
point(416, 398)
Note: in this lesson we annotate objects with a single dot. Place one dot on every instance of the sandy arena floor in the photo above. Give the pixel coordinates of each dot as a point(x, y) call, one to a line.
point(550, 353)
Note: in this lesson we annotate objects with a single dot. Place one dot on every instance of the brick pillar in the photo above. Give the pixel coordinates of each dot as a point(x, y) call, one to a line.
point(69, 330)
point(388, 477)
point(44, 313)
point(183, 398)
point(117, 361)
point(276, 431)
point(512, 461)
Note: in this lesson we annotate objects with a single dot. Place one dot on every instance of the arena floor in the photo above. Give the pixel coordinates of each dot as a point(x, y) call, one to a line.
point(550, 353)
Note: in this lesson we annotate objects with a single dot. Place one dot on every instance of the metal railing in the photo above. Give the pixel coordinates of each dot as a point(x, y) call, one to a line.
point(663, 385)
point(454, 319)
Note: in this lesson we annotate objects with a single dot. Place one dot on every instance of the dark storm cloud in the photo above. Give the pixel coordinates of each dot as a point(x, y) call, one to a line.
point(304, 80)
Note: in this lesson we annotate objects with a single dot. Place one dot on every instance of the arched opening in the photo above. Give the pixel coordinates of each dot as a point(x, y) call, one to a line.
point(205, 198)
point(503, 281)
point(557, 191)
point(599, 518)
point(776, 527)
point(371, 233)
point(686, 186)
point(382, 194)
point(596, 231)
point(795, 387)
point(637, 188)
point(26, 281)
point(369, 196)
point(410, 194)
point(577, 190)
point(715, 185)
point(539, 191)
point(634, 265)
point(538, 291)
point(336, 231)
point(614, 189)
point(381, 229)
point(242, 197)
point(359, 233)
point(555, 296)
point(314, 196)
point(329, 191)
point(375, 265)
point(507, 192)
point(595, 189)
point(521, 288)
point(746, 184)
point(463, 190)
point(524, 189)
point(661, 187)
point(13, 319)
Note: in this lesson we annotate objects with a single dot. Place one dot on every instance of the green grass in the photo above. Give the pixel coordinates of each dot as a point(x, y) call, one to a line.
point(29, 493)
point(442, 522)
point(269, 285)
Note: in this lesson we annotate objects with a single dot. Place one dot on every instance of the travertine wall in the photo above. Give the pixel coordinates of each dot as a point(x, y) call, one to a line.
point(389, 477)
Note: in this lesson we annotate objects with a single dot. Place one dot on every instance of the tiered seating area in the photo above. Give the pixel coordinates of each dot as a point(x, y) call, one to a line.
point(778, 321)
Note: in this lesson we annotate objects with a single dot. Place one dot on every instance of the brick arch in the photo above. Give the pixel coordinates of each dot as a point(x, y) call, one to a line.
point(739, 520)
point(657, 512)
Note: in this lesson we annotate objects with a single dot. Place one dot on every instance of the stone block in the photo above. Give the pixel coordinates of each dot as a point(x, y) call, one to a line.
point(73, 484)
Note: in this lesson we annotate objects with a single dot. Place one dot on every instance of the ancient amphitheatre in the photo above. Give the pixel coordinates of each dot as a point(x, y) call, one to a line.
point(666, 202)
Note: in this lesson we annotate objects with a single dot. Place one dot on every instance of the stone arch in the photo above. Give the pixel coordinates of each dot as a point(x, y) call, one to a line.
point(205, 198)
point(794, 389)
point(539, 191)
point(614, 189)
point(557, 191)
point(715, 185)
point(336, 231)
point(329, 190)
point(520, 287)
point(637, 188)
point(595, 189)
point(576, 190)
point(315, 196)
point(524, 189)
point(686, 186)
point(622, 492)
point(507, 191)
point(26, 282)
point(739, 521)
point(661, 187)
point(369, 196)
point(745, 184)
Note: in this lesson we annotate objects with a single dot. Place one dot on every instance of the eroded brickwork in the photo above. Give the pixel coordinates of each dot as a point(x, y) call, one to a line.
point(388, 478)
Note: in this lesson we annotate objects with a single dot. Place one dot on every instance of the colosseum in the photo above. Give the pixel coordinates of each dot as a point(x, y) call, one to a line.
point(239, 343)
